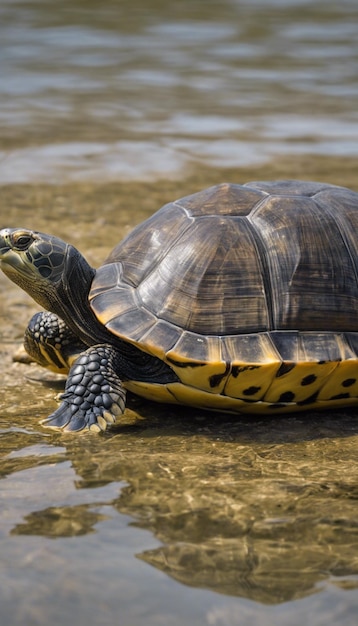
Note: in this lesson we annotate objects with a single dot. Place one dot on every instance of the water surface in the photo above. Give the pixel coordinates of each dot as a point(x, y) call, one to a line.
point(151, 88)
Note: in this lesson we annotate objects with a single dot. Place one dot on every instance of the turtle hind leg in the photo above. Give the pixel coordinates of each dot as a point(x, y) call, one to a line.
point(50, 343)
point(94, 395)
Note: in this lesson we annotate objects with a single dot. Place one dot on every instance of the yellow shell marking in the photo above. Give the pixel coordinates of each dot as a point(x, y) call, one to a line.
point(265, 385)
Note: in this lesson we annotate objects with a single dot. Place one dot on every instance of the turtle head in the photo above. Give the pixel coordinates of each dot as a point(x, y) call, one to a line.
point(42, 265)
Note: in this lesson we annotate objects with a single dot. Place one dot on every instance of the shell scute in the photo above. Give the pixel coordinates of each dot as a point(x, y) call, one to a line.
point(161, 338)
point(106, 278)
point(254, 362)
point(114, 303)
point(345, 382)
point(225, 199)
point(198, 362)
point(199, 283)
point(149, 243)
point(134, 324)
point(313, 279)
point(290, 187)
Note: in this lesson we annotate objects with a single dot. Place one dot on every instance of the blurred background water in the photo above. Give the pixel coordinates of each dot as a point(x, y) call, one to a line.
point(147, 89)
point(107, 111)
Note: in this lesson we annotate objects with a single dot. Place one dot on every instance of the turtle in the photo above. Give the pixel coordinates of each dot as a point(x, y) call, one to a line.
point(241, 298)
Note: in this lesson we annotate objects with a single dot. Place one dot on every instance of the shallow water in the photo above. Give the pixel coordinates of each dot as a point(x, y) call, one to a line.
point(151, 88)
point(174, 516)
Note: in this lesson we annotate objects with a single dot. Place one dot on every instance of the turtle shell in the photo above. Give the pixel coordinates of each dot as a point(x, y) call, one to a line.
point(249, 292)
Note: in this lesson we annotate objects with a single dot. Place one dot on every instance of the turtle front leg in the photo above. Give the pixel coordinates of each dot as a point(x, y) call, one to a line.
point(94, 395)
point(50, 343)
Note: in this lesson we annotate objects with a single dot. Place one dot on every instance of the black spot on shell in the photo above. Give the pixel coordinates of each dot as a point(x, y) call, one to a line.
point(340, 396)
point(287, 396)
point(250, 391)
point(284, 369)
point(237, 369)
point(310, 400)
point(348, 382)
point(308, 380)
point(216, 379)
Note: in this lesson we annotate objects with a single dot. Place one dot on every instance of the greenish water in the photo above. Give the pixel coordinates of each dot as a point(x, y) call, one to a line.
point(174, 516)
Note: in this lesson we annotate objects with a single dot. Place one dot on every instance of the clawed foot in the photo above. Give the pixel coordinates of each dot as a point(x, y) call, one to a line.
point(50, 343)
point(93, 396)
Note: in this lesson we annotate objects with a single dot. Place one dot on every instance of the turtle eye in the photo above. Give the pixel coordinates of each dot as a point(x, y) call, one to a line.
point(22, 241)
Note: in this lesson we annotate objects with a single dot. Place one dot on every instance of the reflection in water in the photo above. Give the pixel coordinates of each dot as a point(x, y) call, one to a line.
point(241, 509)
point(263, 522)
point(59, 522)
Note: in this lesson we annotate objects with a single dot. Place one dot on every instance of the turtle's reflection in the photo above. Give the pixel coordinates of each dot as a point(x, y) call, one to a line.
point(262, 510)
